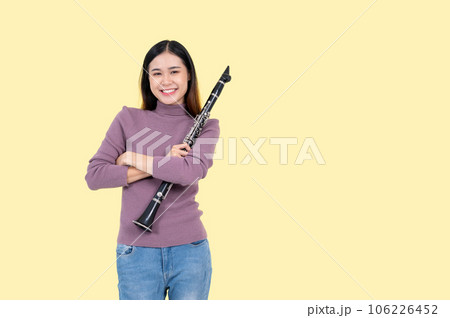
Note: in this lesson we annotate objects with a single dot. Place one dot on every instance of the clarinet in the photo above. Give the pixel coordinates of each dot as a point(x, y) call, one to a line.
point(147, 218)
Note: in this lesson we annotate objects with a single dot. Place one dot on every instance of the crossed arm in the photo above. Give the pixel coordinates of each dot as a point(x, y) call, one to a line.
point(140, 166)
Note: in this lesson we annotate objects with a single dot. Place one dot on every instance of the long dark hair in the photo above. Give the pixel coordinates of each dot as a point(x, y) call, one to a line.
point(192, 97)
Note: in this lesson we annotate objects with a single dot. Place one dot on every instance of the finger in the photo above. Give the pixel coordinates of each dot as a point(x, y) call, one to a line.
point(179, 146)
point(175, 153)
point(185, 146)
point(182, 152)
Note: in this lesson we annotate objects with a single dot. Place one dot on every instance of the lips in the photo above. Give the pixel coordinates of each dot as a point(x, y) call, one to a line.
point(168, 91)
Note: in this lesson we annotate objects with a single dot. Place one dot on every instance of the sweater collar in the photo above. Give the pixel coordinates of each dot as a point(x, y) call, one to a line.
point(173, 110)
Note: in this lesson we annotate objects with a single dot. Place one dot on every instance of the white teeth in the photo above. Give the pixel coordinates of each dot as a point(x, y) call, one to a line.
point(168, 91)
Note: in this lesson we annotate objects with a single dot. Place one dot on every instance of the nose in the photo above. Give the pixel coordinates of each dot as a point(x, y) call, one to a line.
point(166, 79)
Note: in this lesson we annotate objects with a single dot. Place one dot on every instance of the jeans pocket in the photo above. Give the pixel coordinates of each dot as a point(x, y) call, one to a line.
point(198, 243)
point(123, 249)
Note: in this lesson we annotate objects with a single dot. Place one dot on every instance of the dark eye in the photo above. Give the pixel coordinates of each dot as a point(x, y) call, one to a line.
point(156, 74)
point(174, 71)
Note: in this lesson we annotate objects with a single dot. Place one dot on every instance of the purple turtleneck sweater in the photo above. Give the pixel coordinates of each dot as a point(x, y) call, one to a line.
point(154, 133)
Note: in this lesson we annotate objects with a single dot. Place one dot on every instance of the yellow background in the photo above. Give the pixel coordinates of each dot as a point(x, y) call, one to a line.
point(370, 223)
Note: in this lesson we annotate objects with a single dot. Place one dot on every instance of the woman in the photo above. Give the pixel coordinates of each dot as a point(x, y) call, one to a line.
point(141, 148)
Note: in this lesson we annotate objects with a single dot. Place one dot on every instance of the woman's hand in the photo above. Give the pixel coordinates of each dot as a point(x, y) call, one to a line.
point(177, 150)
point(124, 159)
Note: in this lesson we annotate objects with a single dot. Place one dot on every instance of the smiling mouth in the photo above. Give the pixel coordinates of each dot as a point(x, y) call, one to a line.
point(168, 91)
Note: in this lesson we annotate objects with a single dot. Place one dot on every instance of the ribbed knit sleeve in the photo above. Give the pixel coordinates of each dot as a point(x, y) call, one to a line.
point(102, 171)
point(194, 166)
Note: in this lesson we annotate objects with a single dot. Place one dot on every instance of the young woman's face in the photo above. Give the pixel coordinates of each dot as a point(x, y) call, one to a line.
point(169, 78)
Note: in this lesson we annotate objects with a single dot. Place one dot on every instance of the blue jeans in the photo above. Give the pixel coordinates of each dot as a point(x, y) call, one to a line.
point(182, 271)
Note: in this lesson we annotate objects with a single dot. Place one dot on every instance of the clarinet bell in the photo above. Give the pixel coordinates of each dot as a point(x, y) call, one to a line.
point(143, 226)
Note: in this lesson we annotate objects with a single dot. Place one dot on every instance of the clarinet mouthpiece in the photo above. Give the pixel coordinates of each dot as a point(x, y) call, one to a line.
point(226, 75)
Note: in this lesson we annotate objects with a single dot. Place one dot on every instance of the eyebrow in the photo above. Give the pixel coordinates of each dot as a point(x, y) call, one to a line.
point(172, 67)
